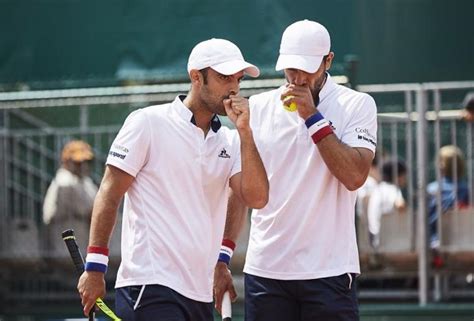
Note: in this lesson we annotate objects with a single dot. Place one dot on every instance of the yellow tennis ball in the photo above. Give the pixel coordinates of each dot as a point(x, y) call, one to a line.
point(292, 107)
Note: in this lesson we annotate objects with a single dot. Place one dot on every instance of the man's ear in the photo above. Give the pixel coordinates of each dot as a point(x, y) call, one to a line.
point(329, 60)
point(195, 76)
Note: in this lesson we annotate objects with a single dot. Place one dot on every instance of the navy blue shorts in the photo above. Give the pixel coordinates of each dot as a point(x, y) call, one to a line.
point(157, 302)
point(326, 299)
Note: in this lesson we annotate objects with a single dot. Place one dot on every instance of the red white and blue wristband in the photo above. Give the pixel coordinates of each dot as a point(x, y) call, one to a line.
point(226, 252)
point(97, 259)
point(318, 127)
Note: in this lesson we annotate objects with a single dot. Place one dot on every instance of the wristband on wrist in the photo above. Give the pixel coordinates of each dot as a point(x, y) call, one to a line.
point(226, 251)
point(318, 127)
point(97, 259)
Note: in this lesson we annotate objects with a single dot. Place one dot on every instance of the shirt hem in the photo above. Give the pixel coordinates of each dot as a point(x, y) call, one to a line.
point(301, 276)
point(190, 295)
point(357, 145)
point(127, 169)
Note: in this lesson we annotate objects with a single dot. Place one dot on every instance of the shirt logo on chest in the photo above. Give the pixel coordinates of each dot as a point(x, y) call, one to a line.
point(223, 154)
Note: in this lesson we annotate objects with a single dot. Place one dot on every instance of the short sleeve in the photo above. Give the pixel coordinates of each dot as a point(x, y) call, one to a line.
point(50, 202)
point(399, 196)
point(362, 129)
point(237, 164)
point(374, 211)
point(130, 149)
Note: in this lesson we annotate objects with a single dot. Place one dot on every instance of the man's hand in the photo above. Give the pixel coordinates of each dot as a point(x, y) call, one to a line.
point(91, 286)
point(237, 109)
point(302, 97)
point(222, 283)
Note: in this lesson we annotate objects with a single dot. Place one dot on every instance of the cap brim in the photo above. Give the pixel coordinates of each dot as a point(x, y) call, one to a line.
point(310, 64)
point(82, 157)
point(234, 66)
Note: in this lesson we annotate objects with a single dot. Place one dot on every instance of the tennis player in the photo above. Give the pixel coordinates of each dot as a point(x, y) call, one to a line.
point(174, 163)
point(302, 256)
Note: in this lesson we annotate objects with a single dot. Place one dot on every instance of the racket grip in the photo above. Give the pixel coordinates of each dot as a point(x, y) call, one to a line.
point(70, 239)
point(226, 307)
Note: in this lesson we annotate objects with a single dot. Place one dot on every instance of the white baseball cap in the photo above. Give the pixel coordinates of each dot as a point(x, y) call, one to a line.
point(303, 46)
point(222, 56)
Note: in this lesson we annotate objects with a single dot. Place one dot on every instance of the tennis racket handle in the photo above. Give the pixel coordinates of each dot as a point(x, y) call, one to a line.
point(71, 244)
point(226, 307)
point(70, 239)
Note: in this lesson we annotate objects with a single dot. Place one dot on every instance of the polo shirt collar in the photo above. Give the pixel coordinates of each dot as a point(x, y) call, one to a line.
point(328, 87)
point(187, 115)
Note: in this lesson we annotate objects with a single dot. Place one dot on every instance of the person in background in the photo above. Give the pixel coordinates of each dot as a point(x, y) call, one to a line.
point(452, 188)
point(363, 197)
point(364, 192)
point(468, 111)
point(387, 197)
point(69, 198)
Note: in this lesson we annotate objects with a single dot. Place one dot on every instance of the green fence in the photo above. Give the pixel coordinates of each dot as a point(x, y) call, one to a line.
point(73, 43)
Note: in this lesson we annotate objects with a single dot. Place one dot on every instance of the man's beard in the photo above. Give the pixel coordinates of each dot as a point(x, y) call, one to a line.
point(216, 107)
point(315, 92)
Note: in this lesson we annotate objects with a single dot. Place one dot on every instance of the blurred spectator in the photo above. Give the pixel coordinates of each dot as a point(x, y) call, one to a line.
point(386, 198)
point(453, 192)
point(364, 192)
point(468, 112)
point(69, 199)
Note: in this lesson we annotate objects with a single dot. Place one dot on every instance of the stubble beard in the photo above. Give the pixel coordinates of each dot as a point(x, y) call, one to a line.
point(216, 107)
point(317, 88)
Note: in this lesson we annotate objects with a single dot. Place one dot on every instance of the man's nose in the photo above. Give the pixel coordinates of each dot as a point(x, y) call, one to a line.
point(235, 89)
point(300, 80)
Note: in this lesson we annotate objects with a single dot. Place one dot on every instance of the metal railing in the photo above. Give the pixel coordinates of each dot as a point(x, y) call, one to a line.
point(30, 146)
point(415, 102)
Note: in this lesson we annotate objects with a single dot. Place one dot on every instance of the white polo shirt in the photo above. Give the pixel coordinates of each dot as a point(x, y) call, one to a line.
point(307, 229)
point(174, 212)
